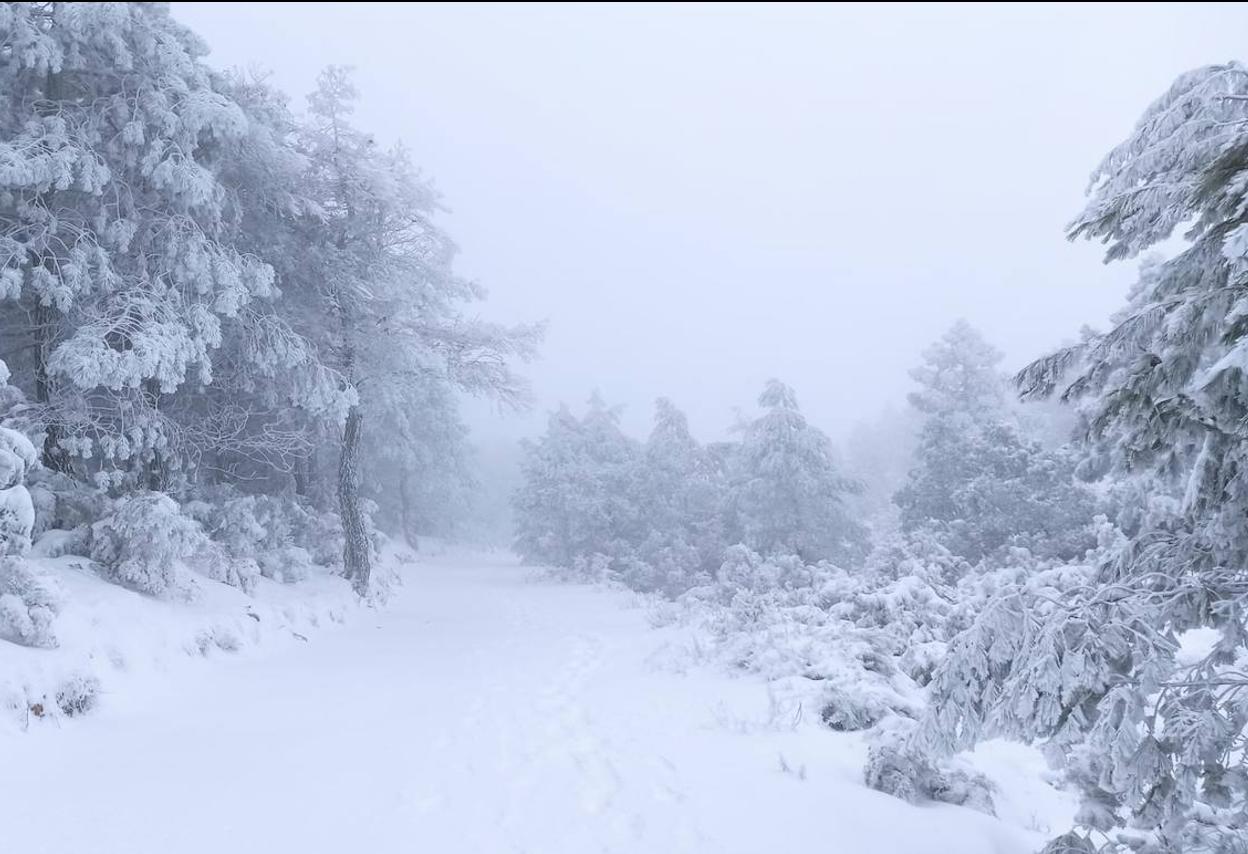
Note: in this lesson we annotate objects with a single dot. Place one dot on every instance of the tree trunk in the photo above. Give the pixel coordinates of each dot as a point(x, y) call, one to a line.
point(154, 468)
point(355, 547)
point(302, 476)
point(54, 456)
point(405, 504)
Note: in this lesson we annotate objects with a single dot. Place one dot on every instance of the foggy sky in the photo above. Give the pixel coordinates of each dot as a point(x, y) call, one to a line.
point(698, 198)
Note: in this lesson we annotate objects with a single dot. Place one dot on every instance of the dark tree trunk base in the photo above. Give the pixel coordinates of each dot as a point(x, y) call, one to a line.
point(356, 556)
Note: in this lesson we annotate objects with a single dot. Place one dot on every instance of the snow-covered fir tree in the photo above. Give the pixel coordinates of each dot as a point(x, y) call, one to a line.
point(682, 540)
point(786, 494)
point(1153, 736)
point(979, 481)
point(579, 497)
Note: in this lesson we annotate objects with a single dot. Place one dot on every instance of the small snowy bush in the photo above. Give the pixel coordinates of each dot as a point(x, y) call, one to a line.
point(29, 603)
point(287, 564)
point(212, 560)
point(143, 541)
point(17, 457)
point(920, 660)
point(592, 567)
point(77, 695)
point(63, 503)
point(897, 768)
point(76, 541)
point(231, 522)
point(744, 570)
point(669, 569)
point(319, 532)
point(866, 688)
point(262, 535)
point(795, 623)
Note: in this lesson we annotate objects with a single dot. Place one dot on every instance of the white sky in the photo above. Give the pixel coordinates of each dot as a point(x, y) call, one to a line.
point(698, 197)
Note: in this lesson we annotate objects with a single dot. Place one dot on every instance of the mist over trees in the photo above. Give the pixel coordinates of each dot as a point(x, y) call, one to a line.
point(234, 341)
point(1086, 595)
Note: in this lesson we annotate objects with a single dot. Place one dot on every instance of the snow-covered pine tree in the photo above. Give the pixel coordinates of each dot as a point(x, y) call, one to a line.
point(579, 497)
point(786, 494)
point(960, 374)
point(1153, 728)
point(383, 304)
point(979, 482)
point(116, 240)
point(271, 399)
point(681, 530)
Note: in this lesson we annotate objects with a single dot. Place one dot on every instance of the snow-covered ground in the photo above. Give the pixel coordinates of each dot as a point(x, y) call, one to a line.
point(482, 711)
point(112, 641)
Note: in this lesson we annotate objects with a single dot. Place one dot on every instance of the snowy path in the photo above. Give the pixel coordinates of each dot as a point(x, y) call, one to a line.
point(482, 712)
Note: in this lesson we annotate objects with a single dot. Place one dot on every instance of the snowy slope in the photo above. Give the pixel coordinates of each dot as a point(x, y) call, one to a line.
point(483, 711)
point(114, 639)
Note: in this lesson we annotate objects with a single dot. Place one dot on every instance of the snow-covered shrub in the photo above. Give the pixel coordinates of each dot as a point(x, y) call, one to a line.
point(1070, 843)
point(912, 608)
point(669, 570)
point(920, 553)
point(981, 665)
point(319, 532)
point(29, 603)
point(76, 541)
point(920, 660)
point(896, 767)
point(17, 511)
point(866, 689)
point(17, 518)
point(591, 567)
point(64, 503)
point(43, 503)
point(287, 564)
point(273, 536)
point(212, 560)
point(242, 530)
point(17, 457)
point(793, 623)
point(77, 695)
point(220, 638)
point(746, 571)
point(276, 515)
point(230, 521)
point(142, 542)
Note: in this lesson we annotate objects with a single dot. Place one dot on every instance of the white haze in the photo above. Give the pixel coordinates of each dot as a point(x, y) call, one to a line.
point(697, 198)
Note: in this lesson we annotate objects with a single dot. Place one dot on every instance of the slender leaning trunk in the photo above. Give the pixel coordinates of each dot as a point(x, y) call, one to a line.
point(356, 560)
